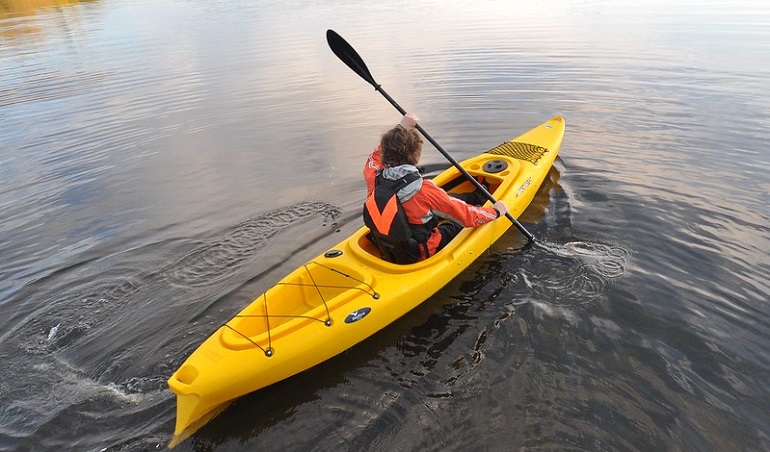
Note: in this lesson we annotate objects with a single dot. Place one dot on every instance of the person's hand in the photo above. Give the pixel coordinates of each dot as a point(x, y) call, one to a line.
point(500, 207)
point(409, 121)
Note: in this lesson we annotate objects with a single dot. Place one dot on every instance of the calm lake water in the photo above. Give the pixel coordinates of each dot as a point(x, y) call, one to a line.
point(163, 163)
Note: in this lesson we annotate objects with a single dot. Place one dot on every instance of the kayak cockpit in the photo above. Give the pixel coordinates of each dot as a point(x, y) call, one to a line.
point(494, 172)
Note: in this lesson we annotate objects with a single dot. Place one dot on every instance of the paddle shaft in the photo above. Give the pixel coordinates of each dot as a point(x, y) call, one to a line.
point(462, 170)
point(353, 60)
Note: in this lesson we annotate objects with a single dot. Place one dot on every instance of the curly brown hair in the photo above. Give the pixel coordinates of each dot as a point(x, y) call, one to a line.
point(401, 146)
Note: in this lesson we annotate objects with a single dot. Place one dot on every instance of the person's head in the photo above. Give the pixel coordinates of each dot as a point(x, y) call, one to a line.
point(401, 146)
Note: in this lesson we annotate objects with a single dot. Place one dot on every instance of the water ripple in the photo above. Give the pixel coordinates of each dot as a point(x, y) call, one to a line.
point(217, 260)
point(576, 274)
point(82, 342)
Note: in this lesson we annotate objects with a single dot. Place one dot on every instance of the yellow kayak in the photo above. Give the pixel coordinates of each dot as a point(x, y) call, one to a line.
point(348, 293)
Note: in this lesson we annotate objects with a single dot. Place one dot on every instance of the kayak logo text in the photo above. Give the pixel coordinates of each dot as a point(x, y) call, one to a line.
point(357, 315)
point(524, 186)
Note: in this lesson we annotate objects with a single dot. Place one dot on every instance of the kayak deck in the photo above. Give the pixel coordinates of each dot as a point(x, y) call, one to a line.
point(348, 293)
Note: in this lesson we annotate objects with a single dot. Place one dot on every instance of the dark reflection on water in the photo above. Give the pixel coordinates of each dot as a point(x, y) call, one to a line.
point(164, 163)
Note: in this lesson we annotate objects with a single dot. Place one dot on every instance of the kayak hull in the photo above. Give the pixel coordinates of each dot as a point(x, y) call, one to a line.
point(348, 293)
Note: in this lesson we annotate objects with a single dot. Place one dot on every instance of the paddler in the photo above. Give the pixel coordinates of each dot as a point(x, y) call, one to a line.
point(391, 168)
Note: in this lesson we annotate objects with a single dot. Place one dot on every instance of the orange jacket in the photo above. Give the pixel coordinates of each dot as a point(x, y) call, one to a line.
point(430, 201)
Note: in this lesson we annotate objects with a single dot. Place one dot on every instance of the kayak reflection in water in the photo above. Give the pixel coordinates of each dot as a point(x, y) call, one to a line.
point(404, 211)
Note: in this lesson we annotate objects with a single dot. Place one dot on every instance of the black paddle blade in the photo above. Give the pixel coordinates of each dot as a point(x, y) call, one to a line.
point(349, 56)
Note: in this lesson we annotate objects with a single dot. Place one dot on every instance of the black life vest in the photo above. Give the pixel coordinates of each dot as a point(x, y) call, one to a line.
point(398, 240)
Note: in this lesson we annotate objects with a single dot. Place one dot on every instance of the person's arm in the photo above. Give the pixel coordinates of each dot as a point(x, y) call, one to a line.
point(372, 168)
point(446, 206)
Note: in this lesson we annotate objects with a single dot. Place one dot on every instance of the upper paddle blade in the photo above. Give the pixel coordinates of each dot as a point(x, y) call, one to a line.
point(349, 56)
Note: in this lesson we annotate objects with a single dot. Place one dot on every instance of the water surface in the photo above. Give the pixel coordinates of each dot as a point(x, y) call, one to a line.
point(165, 162)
